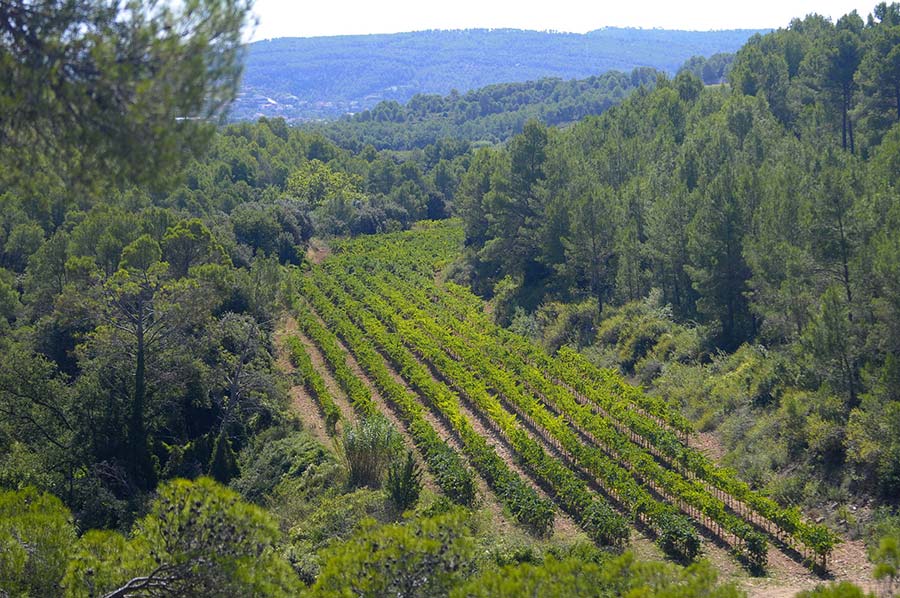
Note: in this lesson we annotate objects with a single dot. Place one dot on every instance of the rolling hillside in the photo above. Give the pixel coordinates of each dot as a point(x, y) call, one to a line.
point(310, 78)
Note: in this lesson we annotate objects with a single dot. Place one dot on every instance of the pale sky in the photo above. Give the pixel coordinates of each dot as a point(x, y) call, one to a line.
point(291, 18)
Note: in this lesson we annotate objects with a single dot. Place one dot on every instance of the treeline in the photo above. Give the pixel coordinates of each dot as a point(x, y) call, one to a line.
point(766, 212)
point(487, 115)
point(822, 79)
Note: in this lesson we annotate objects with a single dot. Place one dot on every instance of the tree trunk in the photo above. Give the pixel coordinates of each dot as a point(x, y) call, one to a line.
point(140, 464)
point(844, 124)
point(599, 295)
point(850, 132)
point(140, 389)
point(845, 265)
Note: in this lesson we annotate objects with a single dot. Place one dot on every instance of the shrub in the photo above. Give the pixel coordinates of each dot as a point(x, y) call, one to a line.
point(276, 456)
point(404, 482)
point(198, 539)
point(36, 535)
point(223, 464)
point(843, 589)
point(368, 448)
point(424, 557)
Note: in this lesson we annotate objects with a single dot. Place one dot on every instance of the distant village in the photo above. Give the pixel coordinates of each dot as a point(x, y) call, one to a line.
point(252, 103)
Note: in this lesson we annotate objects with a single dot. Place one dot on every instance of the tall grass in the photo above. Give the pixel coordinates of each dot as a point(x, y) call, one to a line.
point(368, 449)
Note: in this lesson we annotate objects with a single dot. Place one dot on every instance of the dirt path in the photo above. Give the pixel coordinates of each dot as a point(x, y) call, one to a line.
point(304, 405)
point(708, 444)
point(848, 563)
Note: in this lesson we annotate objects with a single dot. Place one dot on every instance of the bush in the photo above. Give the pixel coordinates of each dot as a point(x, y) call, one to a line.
point(317, 524)
point(887, 562)
point(574, 576)
point(424, 557)
point(368, 448)
point(843, 589)
point(36, 535)
point(198, 539)
point(568, 323)
point(404, 482)
point(275, 456)
point(223, 464)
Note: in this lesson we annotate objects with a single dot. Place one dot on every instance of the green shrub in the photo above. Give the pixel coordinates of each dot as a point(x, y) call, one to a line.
point(887, 562)
point(843, 589)
point(368, 448)
point(404, 482)
point(320, 523)
point(223, 464)
point(274, 456)
point(568, 323)
point(36, 537)
point(620, 576)
point(198, 539)
point(424, 557)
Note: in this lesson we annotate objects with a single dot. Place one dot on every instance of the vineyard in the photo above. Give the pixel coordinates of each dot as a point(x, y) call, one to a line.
point(466, 392)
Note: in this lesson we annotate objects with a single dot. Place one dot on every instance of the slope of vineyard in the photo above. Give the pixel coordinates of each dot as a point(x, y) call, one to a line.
point(585, 443)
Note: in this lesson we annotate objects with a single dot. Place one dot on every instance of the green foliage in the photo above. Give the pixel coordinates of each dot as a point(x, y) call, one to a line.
point(318, 185)
point(23, 240)
point(130, 73)
point(274, 456)
point(327, 520)
point(423, 557)
point(141, 254)
point(36, 538)
point(198, 537)
point(871, 448)
point(842, 589)
point(37, 410)
point(713, 70)
point(404, 482)
point(9, 298)
point(190, 243)
point(621, 576)
point(369, 448)
point(223, 463)
point(567, 323)
point(886, 557)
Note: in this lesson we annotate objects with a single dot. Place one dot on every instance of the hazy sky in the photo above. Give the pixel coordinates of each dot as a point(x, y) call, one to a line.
point(293, 18)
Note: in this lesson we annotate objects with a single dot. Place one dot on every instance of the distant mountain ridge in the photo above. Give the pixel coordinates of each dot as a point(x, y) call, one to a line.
point(326, 77)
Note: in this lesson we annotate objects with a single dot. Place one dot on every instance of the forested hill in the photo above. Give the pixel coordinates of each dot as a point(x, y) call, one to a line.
point(325, 77)
point(487, 115)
